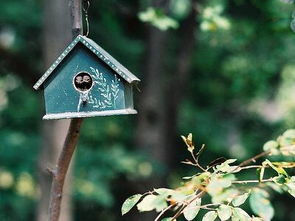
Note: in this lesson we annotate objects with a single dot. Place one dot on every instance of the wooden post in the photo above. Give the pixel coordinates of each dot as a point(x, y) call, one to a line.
point(60, 172)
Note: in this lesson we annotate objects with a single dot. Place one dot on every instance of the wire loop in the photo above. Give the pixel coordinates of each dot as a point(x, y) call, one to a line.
point(86, 5)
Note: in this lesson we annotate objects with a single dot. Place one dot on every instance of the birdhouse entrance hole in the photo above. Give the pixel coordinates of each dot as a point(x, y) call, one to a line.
point(83, 82)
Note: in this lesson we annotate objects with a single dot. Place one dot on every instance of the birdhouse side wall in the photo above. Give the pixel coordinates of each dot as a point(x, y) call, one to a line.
point(83, 83)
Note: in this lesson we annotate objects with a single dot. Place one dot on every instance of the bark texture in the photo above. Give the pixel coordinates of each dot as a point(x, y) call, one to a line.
point(59, 174)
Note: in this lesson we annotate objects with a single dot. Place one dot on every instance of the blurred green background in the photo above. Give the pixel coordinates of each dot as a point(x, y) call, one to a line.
point(222, 69)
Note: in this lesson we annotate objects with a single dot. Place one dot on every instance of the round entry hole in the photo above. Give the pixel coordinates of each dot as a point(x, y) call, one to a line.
point(83, 81)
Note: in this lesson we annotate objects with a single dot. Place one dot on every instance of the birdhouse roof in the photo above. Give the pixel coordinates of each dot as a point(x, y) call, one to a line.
point(96, 50)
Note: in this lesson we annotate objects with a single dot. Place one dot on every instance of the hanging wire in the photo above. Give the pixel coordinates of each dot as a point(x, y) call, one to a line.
point(86, 5)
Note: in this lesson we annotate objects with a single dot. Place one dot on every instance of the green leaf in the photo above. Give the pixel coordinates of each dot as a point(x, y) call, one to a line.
point(260, 204)
point(271, 146)
point(256, 219)
point(224, 212)
point(279, 170)
point(241, 215)
point(164, 191)
point(281, 179)
point(239, 200)
point(147, 203)
point(217, 184)
point(160, 203)
point(192, 210)
point(210, 216)
point(225, 167)
point(151, 202)
point(167, 219)
point(275, 187)
point(157, 18)
point(291, 186)
point(130, 203)
point(225, 196)
point(289, 133)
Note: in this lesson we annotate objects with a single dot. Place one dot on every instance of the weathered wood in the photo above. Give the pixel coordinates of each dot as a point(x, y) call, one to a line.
point(76, 15)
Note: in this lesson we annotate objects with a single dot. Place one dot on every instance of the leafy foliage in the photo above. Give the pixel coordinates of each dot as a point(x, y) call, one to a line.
point(220, 181)
point(241, 81)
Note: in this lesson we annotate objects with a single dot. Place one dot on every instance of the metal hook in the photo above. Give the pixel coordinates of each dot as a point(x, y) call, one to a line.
point(86, 5)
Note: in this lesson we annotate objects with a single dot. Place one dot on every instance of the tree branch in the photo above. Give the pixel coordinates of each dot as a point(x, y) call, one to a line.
point(251, 181)
point(253, 159)
point(62, 168)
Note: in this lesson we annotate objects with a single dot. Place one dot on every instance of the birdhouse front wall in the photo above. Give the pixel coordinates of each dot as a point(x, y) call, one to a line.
point(83, 83)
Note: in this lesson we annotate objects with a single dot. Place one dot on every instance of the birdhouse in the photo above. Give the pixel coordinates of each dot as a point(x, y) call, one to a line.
point(86, 81)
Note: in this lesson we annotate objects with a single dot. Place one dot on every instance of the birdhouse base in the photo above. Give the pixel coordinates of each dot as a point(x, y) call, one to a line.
point(68, 115)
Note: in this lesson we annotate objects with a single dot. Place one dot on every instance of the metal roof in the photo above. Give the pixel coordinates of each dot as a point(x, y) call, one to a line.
point(95, 49)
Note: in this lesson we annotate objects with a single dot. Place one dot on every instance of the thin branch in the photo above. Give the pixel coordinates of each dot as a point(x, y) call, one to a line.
point(178, 213)
point(62, 168)
point(251, 181)
point(253, 159)
point(250, 167)
point(199, 195)
point(196, 159)
point(164, 211)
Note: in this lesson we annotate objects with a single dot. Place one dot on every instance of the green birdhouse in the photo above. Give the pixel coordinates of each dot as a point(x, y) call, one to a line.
point(86, 81)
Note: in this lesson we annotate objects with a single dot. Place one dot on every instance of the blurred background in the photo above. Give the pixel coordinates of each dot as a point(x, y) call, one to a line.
point(221, 69)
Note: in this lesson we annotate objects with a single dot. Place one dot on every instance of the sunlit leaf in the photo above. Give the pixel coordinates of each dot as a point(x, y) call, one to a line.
point(225, 167)
point(260, 204)
point(241, 214)
point(180, 8)
point(239, 200)
point(168, 219)
point(192, 210)
point(151, 202)
point(224, 212)
point(256, 219)
point(291, 186)
point(225, 196)
point(210, 216)
point(279, 170)
point(189, 142)
point(147, 203)
point(271, 146)
point(157, 18)
point(217, 184)
point(130, 203)
point(164, 191)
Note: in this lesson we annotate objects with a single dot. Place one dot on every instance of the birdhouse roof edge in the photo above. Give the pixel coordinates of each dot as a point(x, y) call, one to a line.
point(98, 51)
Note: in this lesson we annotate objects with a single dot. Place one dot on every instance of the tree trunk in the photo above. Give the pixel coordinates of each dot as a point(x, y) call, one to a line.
point(160, 99)
point(158, 110)
point(150, 124)
point(57, 35)
point(178, 81)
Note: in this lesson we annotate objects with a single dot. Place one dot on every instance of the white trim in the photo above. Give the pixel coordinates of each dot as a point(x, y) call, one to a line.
point(68, 115)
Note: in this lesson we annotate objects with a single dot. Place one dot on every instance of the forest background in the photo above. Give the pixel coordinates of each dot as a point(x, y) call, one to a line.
point(221, 69)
